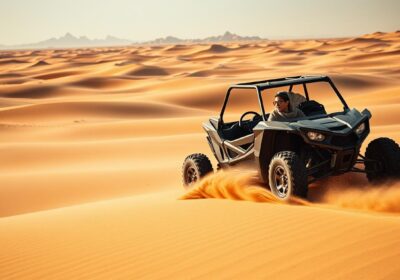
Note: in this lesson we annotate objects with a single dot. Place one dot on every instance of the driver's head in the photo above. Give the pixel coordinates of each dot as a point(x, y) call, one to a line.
point(281, 101)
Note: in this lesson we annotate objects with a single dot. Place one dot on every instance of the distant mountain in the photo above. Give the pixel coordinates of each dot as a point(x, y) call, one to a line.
point(166, 40)
point(70, 41)
point(227, 37)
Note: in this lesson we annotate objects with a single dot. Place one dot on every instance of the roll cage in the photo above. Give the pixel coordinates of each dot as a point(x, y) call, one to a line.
point(259, 86)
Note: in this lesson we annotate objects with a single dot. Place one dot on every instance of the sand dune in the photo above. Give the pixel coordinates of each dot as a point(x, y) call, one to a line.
point(31, 92)
point(100, 83)
point(56, 75)
point(40, 63)
point(215, 48)
point(92, 142)
point(12, 61)
point(124, 238)
point(148, 71)
point(94, 110)
point(360, 82)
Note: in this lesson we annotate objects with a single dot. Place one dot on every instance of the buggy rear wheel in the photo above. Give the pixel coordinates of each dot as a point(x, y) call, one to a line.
point(195, 167)
point(382, 160)
point(287, 175)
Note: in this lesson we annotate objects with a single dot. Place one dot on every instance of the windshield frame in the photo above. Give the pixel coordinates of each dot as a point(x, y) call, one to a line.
point(261, 86)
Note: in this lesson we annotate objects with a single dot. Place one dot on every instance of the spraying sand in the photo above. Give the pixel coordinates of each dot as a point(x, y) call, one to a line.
point(350, 191)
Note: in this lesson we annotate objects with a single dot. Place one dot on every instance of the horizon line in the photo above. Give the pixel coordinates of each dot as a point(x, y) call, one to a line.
point(288, 37)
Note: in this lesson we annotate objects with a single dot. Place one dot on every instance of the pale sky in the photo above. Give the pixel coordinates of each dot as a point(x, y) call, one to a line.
point(29, 21)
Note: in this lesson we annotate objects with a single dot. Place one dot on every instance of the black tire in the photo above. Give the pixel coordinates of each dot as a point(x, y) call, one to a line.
point(385, 154)
point(195, 167)
point(287, 175)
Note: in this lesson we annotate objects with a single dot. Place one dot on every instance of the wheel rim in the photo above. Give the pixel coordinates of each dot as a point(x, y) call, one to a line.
point(281, 182)
point(191, 175)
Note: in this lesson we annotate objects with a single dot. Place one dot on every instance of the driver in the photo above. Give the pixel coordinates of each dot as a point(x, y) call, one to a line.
point(283, 111)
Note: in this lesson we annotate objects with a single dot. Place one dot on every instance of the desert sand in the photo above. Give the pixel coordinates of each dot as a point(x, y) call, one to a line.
point(92, 142)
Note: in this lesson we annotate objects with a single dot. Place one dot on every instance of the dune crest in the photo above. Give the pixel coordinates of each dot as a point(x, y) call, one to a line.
point(148, 71)
point(40, 63)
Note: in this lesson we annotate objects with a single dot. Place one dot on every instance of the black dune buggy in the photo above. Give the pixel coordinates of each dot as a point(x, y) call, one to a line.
point(291, 155)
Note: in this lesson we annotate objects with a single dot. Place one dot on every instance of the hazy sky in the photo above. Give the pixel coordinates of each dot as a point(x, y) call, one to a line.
point(27, 21)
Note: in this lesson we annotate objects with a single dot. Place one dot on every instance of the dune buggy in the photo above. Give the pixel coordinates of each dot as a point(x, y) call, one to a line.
point(291, 155)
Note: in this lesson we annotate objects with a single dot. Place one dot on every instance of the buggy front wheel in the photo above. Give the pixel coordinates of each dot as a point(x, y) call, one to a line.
point(195, 167)
point(287, 175)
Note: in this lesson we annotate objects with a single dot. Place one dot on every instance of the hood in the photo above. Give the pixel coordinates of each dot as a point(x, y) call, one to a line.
point(338, 123)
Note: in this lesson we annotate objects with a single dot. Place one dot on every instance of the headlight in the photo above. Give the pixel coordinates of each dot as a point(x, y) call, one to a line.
point(315, 136)
point(360, 129)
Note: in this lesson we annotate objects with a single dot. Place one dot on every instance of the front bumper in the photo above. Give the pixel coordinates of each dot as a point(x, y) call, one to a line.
point(343, 161)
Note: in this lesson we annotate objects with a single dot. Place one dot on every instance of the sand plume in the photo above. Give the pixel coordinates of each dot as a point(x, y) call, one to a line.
point(351, 191)
point(235, 185)
point(381, 199)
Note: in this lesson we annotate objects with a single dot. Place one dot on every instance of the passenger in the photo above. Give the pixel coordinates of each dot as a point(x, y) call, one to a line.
point(283, 111)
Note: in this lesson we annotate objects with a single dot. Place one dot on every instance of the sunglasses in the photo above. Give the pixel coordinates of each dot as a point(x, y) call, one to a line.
point(279, 101)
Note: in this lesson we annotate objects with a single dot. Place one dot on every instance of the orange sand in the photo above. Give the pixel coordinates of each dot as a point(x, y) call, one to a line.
point(92, 141)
